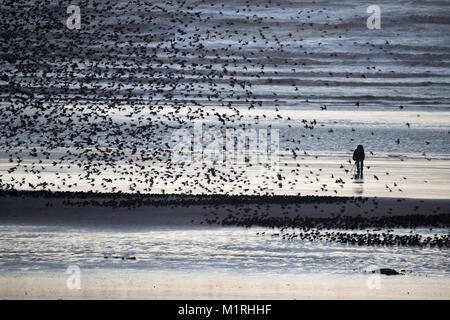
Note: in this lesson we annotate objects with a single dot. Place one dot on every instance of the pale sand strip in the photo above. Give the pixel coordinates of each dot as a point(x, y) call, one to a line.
point(98, 287)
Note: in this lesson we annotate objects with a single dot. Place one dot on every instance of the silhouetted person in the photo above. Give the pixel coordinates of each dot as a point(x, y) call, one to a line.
point(358, 156)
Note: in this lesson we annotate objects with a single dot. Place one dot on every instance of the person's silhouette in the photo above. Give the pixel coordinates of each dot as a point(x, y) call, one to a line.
point(358, 156)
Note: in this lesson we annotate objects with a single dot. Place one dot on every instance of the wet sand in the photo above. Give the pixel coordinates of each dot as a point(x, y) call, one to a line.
point(114, 285)
point(97, 210)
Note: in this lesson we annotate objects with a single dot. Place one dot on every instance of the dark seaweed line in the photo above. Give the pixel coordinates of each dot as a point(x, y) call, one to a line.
point(120, 199)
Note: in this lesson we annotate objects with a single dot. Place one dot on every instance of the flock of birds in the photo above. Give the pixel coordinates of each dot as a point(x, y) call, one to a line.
point(374, 225)
point(94, 108)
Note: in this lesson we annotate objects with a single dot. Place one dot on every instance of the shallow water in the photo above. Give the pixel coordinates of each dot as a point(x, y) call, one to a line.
point(201, 251)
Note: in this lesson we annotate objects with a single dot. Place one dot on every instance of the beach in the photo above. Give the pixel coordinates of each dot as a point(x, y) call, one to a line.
point(206, 150)
point(181, 250)
point(144, 286)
